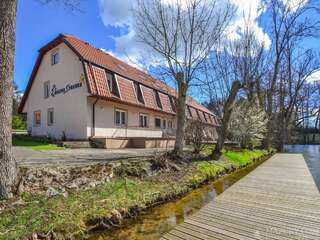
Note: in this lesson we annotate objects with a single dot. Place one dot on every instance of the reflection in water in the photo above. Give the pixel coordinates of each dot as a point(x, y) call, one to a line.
point(312, 155)
point(159, 220)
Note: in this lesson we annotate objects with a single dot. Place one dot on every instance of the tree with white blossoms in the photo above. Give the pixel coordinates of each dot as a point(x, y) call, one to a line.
point(248, 124)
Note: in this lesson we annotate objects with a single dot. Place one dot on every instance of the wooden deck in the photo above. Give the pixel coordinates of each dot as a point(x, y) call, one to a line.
point(278, 200)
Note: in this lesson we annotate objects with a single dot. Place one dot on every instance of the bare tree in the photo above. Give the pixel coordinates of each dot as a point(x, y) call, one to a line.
point(291, 23)
point(182, 35)
point(235, 68)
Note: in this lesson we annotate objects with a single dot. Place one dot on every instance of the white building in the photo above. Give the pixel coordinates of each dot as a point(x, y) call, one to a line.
point(78, 91)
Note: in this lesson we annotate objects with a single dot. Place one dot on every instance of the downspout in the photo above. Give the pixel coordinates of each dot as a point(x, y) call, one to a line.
point(93, 130)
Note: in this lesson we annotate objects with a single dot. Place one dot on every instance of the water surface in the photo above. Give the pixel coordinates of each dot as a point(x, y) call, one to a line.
point(311, 154)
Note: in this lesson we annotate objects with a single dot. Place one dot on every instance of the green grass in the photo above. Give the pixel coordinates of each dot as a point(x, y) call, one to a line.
point(69, 215)
point(230, 160)
point(243, 157)
point(34, 143)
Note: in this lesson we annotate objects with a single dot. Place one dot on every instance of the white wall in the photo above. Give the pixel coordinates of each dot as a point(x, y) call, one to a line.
point(70, 112)
point(105, 124)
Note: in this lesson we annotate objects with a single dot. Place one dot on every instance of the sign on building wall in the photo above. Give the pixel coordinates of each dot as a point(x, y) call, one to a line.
point(69, 87)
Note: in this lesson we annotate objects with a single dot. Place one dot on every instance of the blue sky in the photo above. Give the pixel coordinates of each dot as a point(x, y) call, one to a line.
point(37, 24)
point(104, 23)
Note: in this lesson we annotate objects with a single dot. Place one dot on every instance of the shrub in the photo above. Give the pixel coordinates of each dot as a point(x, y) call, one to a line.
point(195, 133)
point(18, 123)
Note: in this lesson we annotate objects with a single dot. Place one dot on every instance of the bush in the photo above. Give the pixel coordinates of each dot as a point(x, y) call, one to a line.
point(195, 133)
point(18, 123)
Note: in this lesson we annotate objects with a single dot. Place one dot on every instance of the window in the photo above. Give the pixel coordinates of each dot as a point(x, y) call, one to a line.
point(50, 117)
point(46, 89)
point(110, 80)
point(157, 122)
point(37, 118)
point(138, 91)
point(164, 124)
point(143, 120)
point(54, 58)
point(172, 103)
point(156, 93)
point(169, 124)
point(120, 117)
point(112, 84)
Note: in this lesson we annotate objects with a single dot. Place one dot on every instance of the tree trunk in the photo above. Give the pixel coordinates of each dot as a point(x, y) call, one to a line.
point(227, 111)
point(8, 168)
point(181, 114)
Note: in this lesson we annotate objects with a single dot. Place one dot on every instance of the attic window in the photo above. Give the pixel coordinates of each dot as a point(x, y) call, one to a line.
point(172, 103)
point(138, 91)
point(112, 84)
point(156, 93)
point(55, 57)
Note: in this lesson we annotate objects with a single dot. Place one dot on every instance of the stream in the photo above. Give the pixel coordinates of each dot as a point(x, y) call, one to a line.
point(156, 221)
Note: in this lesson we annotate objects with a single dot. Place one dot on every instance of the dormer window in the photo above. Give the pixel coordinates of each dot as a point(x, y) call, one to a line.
point(112, 84)
point(156, 93)
point(55, 57)
point(172, 103)
point(110, 80)
point(138, 91)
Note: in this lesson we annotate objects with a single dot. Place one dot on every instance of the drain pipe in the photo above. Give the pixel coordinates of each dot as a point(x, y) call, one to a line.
point(93, 130)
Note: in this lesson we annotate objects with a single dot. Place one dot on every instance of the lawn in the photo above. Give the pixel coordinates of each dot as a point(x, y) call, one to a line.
point(34, 143)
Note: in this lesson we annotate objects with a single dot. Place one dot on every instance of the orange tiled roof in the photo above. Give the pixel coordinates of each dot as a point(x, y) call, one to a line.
point(96, 62)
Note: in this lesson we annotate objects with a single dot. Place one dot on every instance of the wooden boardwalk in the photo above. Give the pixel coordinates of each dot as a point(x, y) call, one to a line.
point(278, 200)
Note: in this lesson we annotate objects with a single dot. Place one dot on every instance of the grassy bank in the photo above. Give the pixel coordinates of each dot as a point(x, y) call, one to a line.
point(34, 143)
point(107, 204)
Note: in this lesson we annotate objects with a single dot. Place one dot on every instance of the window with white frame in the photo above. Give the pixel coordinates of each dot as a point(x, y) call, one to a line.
point(55, 57)
point(120, 117)
point(157, 122)
point(46, 89)
point(37, 118)
point(143, 120)
point(50, 117)
point(170, 124)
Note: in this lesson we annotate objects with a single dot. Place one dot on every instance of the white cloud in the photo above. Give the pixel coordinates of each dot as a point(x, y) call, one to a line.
point(314, 77)
point(118, 13)
point(248, 12)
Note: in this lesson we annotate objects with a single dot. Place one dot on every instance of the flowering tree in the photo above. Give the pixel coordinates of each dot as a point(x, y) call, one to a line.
point(248, 124)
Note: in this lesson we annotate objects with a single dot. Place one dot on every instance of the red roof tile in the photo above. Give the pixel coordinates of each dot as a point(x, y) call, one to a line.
point(149, 98)
point(127, 90)
point(91, 82)
point(99, 76)
point(165, 101)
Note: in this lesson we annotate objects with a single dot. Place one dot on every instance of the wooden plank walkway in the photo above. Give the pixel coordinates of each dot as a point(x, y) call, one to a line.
point(278, 200)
